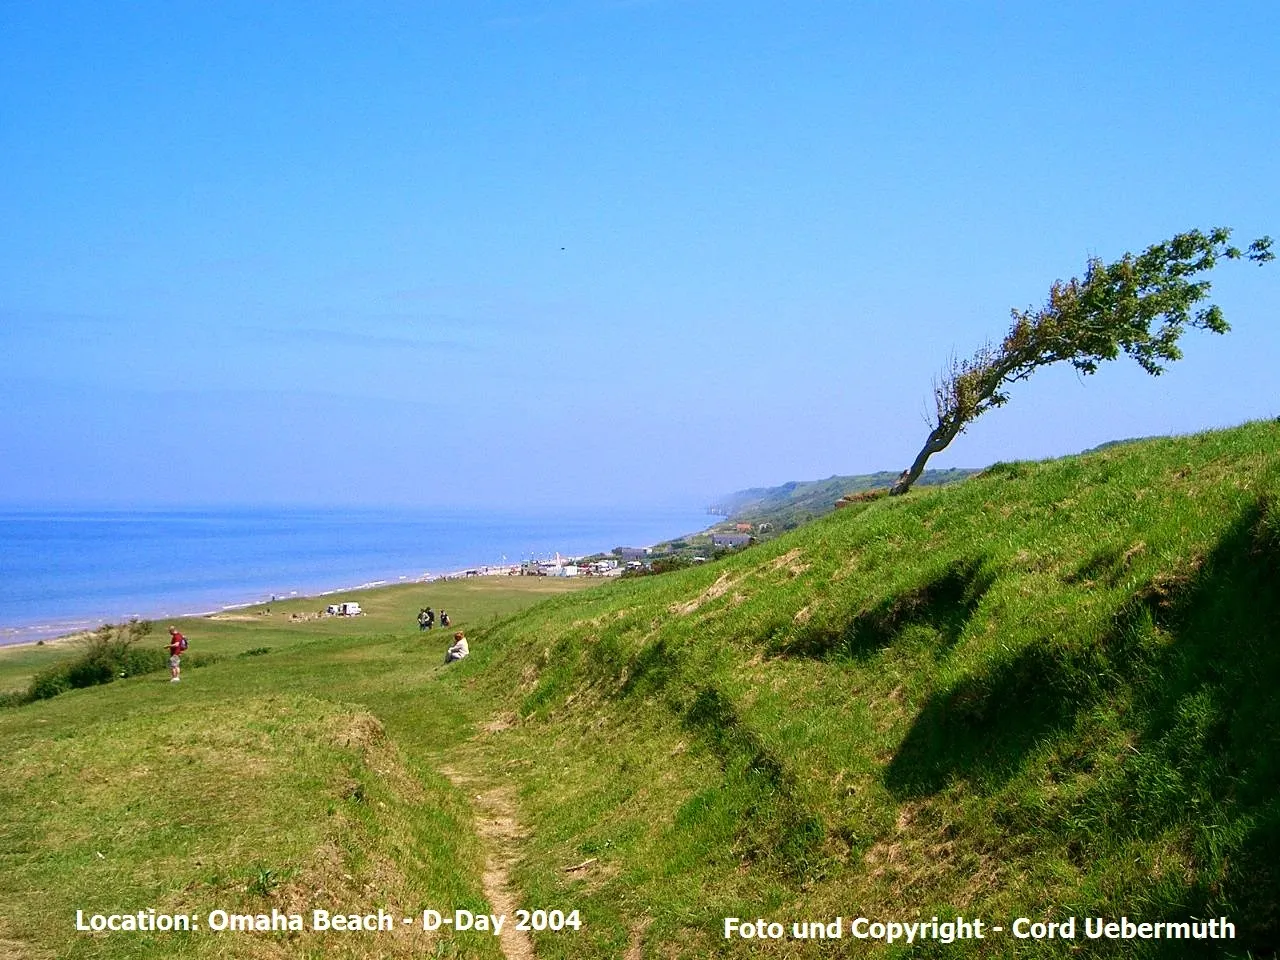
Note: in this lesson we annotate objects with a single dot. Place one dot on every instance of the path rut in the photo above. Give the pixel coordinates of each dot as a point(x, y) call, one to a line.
point(499, 832)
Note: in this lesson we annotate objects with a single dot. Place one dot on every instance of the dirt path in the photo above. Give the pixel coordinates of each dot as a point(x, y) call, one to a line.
point(499, 831)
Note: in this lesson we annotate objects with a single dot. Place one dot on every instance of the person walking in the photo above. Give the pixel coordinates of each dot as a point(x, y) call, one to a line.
point(422, 619)
point(177, 647)
point(431, 618)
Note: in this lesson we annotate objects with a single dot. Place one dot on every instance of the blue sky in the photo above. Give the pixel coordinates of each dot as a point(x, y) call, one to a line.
point(590, 251)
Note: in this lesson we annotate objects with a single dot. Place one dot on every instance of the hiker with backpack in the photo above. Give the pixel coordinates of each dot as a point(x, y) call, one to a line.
point(177, 647)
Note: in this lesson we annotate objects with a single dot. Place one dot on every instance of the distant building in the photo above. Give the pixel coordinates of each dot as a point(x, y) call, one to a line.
point(634, 553)
point(730, 539)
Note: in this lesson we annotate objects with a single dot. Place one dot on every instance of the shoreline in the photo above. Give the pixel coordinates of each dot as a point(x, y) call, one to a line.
point(62, 631)
point(118, 565)
point(68, 631)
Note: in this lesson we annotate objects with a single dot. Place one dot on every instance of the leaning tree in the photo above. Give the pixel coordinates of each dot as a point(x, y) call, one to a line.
point(1139, 305)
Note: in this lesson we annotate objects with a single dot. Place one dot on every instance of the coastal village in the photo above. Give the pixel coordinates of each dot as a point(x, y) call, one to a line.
point(711, 544)
point(637, 561)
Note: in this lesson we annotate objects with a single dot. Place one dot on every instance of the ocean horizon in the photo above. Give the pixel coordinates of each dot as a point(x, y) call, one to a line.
point(65, 571)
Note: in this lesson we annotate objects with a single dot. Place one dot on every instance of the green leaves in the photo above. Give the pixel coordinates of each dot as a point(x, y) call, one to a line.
point(1138, 305)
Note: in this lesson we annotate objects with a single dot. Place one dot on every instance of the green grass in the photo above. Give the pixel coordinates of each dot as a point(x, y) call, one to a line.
point(297, 778)
point(471, 603)
point(1048, 691)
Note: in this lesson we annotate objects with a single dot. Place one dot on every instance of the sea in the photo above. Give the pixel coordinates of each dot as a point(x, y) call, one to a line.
point(62, 571)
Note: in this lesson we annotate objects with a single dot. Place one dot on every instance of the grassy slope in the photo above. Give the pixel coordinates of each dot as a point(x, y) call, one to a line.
point(471, 602)
point(1048, 690)
point(303, 777)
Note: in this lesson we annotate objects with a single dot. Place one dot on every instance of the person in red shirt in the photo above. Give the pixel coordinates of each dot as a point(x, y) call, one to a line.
point(177, 644)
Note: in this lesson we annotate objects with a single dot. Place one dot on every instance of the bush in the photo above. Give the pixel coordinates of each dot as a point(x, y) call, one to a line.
point(668, 564)
point(111, 652)
point(15, 698)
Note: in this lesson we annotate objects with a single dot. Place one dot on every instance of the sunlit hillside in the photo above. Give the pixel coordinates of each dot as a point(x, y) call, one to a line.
point(1047, 692)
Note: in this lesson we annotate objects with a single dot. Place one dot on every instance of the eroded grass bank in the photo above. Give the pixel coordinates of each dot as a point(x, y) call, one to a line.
point(1048, 692)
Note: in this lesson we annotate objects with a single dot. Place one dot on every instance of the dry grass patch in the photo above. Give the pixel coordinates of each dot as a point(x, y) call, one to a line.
point(790, 562)
point(724, 583)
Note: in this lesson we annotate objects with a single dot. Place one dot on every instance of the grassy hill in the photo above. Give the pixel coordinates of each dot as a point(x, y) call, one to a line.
point(1048, 692)
point(795, 503)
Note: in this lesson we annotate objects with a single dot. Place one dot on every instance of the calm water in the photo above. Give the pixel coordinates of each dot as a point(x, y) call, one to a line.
point(62, 571)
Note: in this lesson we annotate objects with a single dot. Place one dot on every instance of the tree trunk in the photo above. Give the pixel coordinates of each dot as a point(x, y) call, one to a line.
point(939, 439)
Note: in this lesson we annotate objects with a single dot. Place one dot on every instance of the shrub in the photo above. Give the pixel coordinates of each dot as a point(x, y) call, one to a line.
point(111, 652)
point(15, 698)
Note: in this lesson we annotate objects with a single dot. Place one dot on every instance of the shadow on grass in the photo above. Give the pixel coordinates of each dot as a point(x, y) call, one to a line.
point(1106, 564)
point(760, 799)
point(945, 604)
point(984, 726)
point(1209, 729)
point(774, 823)
point(1199, 656)
point(651, 669)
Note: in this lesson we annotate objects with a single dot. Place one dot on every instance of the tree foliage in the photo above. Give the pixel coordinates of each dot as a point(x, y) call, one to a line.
point(1138, 305)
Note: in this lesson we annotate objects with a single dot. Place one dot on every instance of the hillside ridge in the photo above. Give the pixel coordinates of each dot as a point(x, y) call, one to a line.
point(1046, 693)
point(1043, 691)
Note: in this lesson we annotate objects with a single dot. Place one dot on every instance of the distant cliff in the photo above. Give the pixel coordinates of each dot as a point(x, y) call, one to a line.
point(794, 503)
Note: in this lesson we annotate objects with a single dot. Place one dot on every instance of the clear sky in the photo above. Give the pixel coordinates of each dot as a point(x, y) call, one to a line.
point(595, 251)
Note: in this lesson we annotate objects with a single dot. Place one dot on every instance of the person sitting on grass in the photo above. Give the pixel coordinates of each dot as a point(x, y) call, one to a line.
point(458, 650)
point(177, 644)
